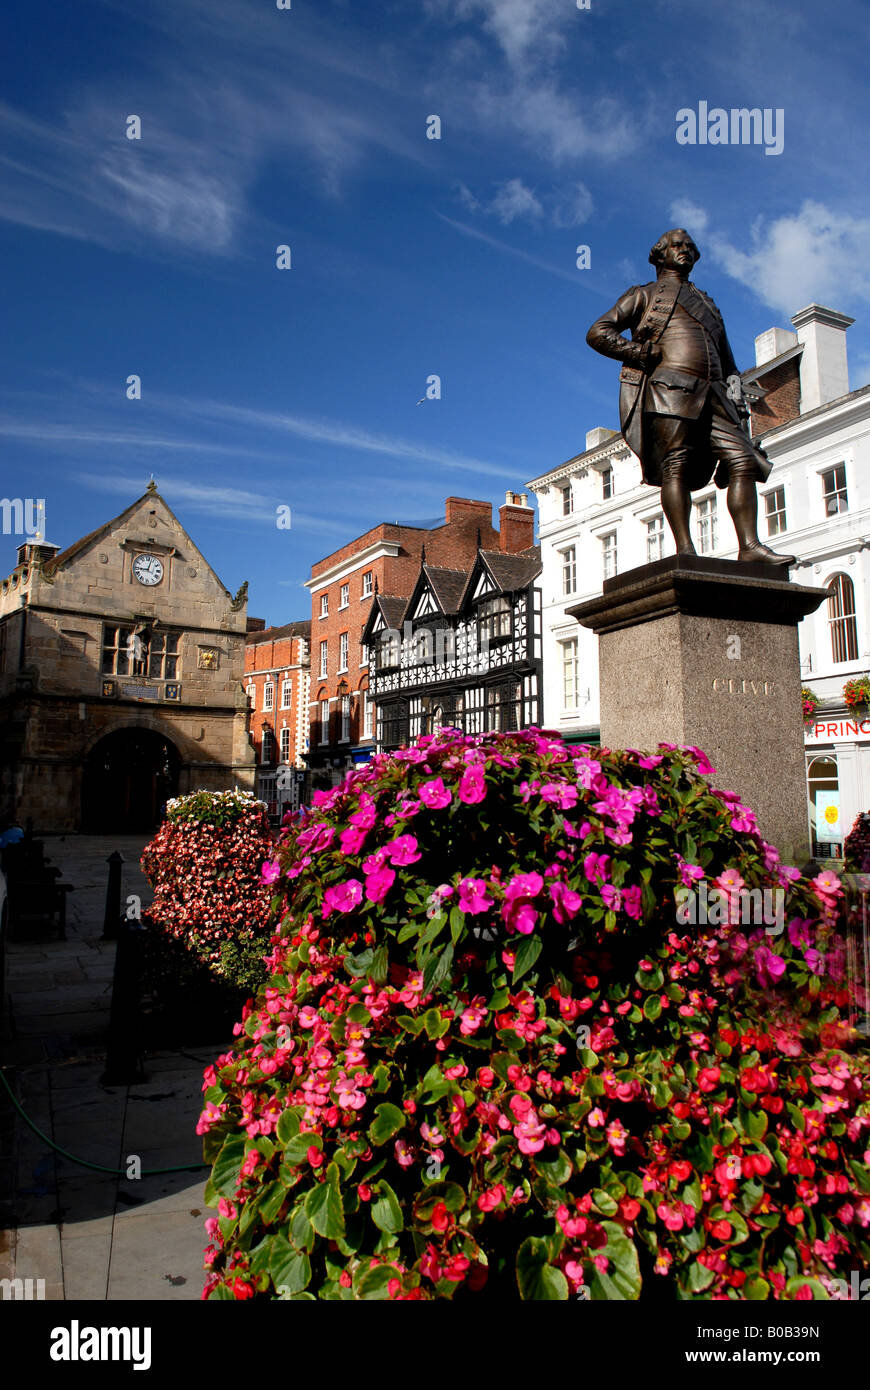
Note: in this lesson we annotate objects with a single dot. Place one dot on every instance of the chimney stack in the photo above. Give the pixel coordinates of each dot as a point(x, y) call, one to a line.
point(516, 523)
point(824, 364)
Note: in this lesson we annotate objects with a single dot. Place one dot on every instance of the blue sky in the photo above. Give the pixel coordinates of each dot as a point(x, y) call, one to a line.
point(410, 256)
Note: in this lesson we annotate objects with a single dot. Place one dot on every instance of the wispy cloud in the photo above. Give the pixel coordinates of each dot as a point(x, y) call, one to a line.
point(579, 279)
point(514, 200)
point(211, 500)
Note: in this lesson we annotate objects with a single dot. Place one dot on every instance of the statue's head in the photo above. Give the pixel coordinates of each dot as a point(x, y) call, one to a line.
point(673, 249)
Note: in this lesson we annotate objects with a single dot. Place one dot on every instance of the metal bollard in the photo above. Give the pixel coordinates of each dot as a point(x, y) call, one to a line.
point(113, 897)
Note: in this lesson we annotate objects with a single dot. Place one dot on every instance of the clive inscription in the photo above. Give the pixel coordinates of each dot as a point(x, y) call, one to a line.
point(730, 685)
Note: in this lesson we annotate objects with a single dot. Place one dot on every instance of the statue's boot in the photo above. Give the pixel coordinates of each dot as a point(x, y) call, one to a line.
point(756, 553)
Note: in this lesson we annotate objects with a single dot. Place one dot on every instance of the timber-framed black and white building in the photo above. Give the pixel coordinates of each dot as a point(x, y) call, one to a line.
point(463, 652)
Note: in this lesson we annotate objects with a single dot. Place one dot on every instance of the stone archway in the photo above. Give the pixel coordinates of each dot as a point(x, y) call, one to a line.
point(127, 777)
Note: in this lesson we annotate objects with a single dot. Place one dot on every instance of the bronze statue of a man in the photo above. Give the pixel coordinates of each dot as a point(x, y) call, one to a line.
point(681, 403)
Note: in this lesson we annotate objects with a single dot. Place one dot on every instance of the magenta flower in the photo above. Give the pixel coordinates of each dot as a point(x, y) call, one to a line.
point(343, 897)
point(379, 883)
point(768, 967)
point(705, 767)
point(631, 902)
point(473, 897)
point(270, 871)
point(352, 839)
point(595, 867)
point(435, 795)
point(561, 794)
point(403, 850)
point(472, 785)
point(566, 902)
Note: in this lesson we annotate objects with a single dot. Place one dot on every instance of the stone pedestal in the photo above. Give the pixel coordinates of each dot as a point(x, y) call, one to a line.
point(694, 650)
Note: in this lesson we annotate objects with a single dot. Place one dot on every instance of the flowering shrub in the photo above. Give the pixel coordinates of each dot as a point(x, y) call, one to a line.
point(810, 702)
point(856, 850)
point(492, 1061)
point(857, 692)
point(205, 867)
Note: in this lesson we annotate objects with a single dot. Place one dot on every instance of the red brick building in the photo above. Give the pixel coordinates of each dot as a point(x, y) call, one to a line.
point(387, 557)
point(277, 684)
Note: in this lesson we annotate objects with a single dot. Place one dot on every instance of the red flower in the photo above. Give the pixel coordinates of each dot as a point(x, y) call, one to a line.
point(242, 1289)
point(440, 1217)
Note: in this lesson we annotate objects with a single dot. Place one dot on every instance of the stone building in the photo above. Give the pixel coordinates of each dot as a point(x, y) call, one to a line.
point(121, 665)
point(342, 585)
point(277, 678)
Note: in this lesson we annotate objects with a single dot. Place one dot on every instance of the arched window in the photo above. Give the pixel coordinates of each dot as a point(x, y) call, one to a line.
point(841, 618)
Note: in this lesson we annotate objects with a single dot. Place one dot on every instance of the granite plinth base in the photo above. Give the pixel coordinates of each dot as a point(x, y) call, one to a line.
point(702, 652)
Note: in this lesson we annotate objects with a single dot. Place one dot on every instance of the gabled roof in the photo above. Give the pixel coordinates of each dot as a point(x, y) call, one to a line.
point(390, 607)
point(65, 557)
point(509, 572)
point(445, 585)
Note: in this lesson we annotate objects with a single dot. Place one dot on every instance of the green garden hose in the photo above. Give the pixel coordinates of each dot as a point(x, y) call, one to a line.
point(84, 1162)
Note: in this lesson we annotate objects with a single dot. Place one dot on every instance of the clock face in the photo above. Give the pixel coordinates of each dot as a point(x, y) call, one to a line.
point(148, 569)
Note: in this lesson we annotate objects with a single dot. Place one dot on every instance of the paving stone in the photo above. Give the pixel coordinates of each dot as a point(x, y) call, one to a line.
point(158, 1257)
point(37, 1254)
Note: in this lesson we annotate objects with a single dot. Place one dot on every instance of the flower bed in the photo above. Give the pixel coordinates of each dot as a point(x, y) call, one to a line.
point(509, 1049)
point(205, 867)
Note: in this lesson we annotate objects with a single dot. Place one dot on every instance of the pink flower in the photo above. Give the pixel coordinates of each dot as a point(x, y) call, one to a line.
point(768, 967)
point(472, 1017)
point(352, 839)
point(595, 867)
point(616, 1135)
point(473, 896)
point(492, 1198)
point(403, 850)
point(343, 897)
point(379, 883)
point(435, 795)
point(566, 902)
point(705, 767)
point(270, 871)
point(827, 885)
point(404, 1156)
point(561, 794)
point(472, 786)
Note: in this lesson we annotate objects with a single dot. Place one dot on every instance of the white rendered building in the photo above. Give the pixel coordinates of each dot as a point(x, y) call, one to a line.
point(596, 518)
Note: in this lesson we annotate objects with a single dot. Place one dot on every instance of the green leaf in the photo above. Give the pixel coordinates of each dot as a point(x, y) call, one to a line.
point(756, 1289)
point(604, 1202)
point(557, 1170)
point(536, 1277)
point(272, 1201)
point(699, 1277)
point(527, 953)
point(380, 965)
point(437, 969)
point(652, 1008)
point(287, 1126)
point(297, 1147)
point(820, 1293)
point(622, 1280)
point(374, 1283)
point(290, 1269)
point(302, 1233)
point(389, 1119)
point(385, 1210)
point(225, 1174)
point(324, 1208)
